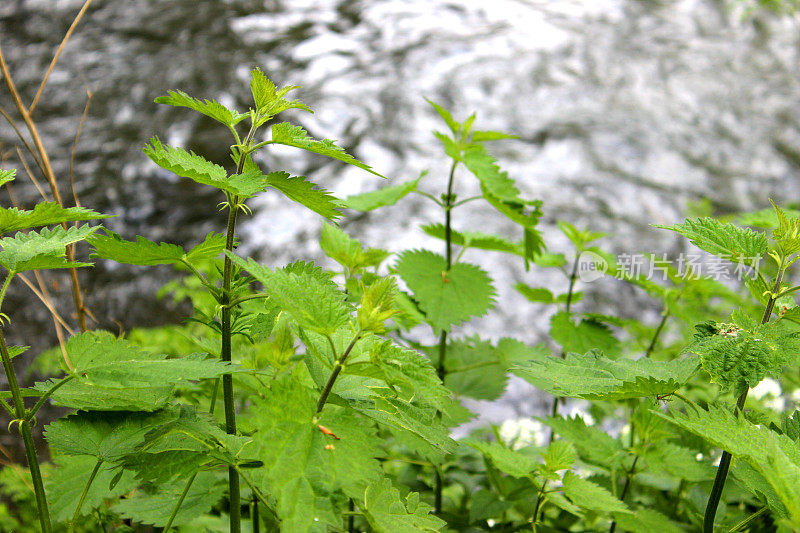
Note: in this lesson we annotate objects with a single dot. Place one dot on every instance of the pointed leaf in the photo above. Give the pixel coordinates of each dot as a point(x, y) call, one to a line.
point(43, 214)
point(306, 193)
point(209, 108)
point(723, 240)
point(367, 201)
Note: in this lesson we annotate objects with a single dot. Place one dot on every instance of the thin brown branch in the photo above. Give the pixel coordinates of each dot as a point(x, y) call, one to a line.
point(47, 303)
point(30, 175)
point(77, 295)
point(25, 142)
point(89, 95)
point(72, 27)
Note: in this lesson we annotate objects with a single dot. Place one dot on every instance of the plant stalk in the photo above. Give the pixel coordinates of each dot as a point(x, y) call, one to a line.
point(178, 504)
point(77, 513)
point(725, 460)
point(441, 371)
point(337, 368)
point(225, 354)
point(27, 437)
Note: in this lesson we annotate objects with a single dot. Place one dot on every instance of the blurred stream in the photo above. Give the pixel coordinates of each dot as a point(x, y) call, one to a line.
point(626, 109)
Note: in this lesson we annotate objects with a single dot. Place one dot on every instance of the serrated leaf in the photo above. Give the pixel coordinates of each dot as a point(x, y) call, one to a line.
point(304, 467)
point(588, 334)
point(43, 249)
point(593, 444)
point(386, 512)
point(144, 252)
point(476, 239)
point(723, 240)
point(347, 251)
point(508, 461)
point(485, 168)
point(559, 455)
point(155, 506)
point(269, 100)
point(114, 375)
point(447, 297)
point(313, 302)
point(105, 436)
point(43, 214)
point(197, 168)
point(593, 376)
point(209, 108)
point(474, 369)
point(677, 461)
point(68, 479)
point(306, 193)
point(291, 135)
point(484, 136)
point(739, 357)
point(384, 197)
point(7, 176)
point(589, 495)
point(454, 126)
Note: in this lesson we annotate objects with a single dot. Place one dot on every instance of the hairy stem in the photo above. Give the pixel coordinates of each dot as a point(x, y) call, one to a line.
point(441, 371)
point(77, 513)
point(538, 506)
point(725, 460)
point(628, 480)
point(337, 368)
point(27, 437)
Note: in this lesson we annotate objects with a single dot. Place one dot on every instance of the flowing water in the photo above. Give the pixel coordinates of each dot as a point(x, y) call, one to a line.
point(626, 110)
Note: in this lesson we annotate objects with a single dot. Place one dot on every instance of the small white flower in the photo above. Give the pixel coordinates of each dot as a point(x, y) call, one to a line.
point(699, 456)
point(523, 432)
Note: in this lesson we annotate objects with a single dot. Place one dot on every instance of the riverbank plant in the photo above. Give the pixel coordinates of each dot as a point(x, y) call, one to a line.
point(298, 398)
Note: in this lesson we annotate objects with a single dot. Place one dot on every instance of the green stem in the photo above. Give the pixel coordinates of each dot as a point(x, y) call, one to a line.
point(241, 299)
point(6, 283)
point(254, 516)
point(227, 379)
point(441, 371)
point(746, 521)
point(25, 430)
point(725, 460)
point(77, 513)
point(570, 292)
point(178, 504)
point(337, 368)
point(538, 505)
point(628, 479)
point(33, 410)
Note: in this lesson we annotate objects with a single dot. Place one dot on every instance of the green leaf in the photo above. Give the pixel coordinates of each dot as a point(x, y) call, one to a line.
point(593, 444)
point(7, 176)
point(588, 334)
point(190, 165)
point(679, 462)
point(476, 239)
point(484, 136)
point(146, 253)
point(43, 249)
point(269, 100)
point(738, 357)
point(291, 135)
point(347, 251)
point(386, 196)
point(474, 369)
point(155, 506)
point(43, 214)
point(508, 461)
point(105, 436)
point(646, 521)
point(485, 168)
point(559, 455)
point(447, 297)
point(209, 108)
point(589, 495)
point(787, 234)
point(305, 468)
point(114, 375)
point(454, 126)
point(723, 240)
point(313, 302)
point(535, 294)
point(593, 376)
point(310, 195)
point(67, 480)
point(386, 512)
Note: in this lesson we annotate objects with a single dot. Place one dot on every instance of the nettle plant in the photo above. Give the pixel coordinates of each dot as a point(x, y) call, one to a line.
point(335, 416)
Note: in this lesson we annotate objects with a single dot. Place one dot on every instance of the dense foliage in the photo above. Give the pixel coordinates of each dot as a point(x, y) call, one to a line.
point(301, 399)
